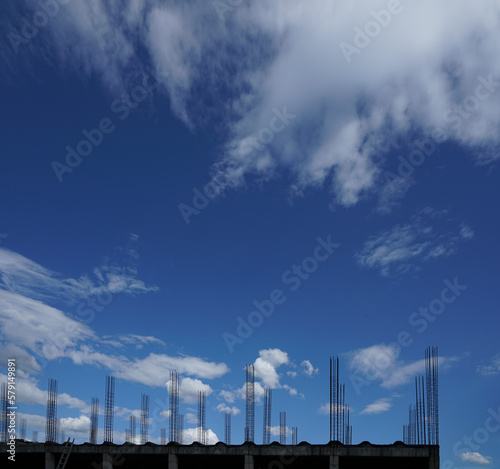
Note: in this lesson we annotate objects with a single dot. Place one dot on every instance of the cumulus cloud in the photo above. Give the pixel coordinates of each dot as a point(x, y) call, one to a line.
point(266, 364)
point(79, 425)
point(342, 104)
point(225, 408)
point(400, 249)
point(377, 407)
point(190, 435)
point(475, 458)
point(189, 389)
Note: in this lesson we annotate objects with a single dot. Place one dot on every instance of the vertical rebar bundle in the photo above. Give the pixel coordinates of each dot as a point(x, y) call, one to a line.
point(51, 422)
point(339, 430)
point(144, 418)
point(412, 425)
point(334, 398)
point(420, 411)
point(342, 413)
point(431, 374)
point(132, 426)
point(250, 403)
point(266, 433)
point(174, 406)
point(348, 429)
point(227, 428)
point(23, 429)
point(3, 413)
point(283, 428)
point(109, 409)
point(94, 419)
point(202, 409)
point(180, 429)
point(163, 436)
point(294, 435)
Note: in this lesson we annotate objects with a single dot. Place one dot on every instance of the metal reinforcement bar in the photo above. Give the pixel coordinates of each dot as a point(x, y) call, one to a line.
point(250, 403)
point(174, 406)
point(51, 422)
point(109, 409)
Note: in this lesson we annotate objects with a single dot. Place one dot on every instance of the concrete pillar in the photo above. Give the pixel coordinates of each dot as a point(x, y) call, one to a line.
point(107, 461)
point(172, 461)
point(248, 461)
point(50, 460)
point(334, 461)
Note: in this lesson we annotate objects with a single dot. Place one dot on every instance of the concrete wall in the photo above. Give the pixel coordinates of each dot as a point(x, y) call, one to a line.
point(247, 456)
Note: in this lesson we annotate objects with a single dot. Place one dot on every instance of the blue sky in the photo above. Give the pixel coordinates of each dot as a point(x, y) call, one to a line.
point(168, 169)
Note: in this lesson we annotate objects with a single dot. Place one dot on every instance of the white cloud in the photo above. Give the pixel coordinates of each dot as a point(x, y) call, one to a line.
point(381, 363)
point(190, 435)
point(343, 105)
point(73, 426)
point(377, 407)
point(491, 369)
point(291, 374)
point(28, 392)
point(189, 417)
point(225, 408)
point(308, 368)
point(475, 458)
point(25, 277)
point(131, 339)
point(166, 413)
point(292, 391)
point(39, 328)
point(189, 388)
point(275, 431)
point(398, 249)
point(266, 364)
point(324, 409)
point(228, 396)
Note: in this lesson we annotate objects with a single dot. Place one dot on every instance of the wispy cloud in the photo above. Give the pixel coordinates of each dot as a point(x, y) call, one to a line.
point(429, 234)
point(380, 405)
point(26, 277)
point(308, 369)
point(381, 363)
point(343, 109)
point(492, 369)
point(475, 458)
point(29, 392)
